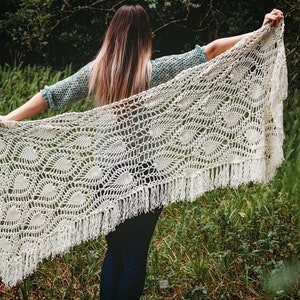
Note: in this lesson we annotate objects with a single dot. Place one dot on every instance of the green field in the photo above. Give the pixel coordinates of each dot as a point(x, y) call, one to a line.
point(229, 244)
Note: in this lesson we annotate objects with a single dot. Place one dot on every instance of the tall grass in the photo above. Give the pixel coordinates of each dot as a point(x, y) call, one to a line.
point(19, 84)
point(239, 243)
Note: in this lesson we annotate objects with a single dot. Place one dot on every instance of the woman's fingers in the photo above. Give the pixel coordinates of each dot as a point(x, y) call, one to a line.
point(277, 11)
point(274, 17)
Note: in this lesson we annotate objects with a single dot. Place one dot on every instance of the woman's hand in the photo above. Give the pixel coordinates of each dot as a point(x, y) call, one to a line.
point(6, 121)
point(3, 119)
point(274, 17)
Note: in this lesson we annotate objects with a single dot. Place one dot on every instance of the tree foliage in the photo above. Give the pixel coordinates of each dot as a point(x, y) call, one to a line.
point(61, 32)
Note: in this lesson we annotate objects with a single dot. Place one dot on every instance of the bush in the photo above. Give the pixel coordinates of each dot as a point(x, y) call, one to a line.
point(60, 33)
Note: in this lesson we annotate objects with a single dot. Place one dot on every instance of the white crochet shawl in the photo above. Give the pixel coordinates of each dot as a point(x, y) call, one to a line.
point(70, 178)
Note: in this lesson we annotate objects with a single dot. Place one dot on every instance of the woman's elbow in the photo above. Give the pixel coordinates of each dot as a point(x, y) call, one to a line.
point(210, 50)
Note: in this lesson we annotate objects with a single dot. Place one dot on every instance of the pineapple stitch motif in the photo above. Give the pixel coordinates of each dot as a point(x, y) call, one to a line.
point(213, 125)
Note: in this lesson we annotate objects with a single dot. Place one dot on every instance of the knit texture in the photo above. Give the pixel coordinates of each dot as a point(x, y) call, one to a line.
point(76, 86)
point(75, 176)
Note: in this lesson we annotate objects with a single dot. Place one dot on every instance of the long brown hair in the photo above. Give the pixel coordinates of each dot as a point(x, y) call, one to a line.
point(122, 67)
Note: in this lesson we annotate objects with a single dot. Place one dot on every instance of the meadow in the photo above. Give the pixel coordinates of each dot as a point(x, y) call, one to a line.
point(239, 243)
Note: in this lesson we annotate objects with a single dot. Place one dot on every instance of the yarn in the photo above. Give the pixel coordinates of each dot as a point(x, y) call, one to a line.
point(70, 178)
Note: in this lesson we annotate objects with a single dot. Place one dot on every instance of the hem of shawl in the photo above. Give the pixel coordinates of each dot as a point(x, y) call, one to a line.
point(187, 187)
point(232, 175)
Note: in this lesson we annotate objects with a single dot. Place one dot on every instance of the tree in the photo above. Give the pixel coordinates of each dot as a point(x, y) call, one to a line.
point(61, 32)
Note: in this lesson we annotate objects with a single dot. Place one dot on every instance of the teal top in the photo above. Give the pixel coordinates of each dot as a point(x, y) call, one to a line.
point(76, 86)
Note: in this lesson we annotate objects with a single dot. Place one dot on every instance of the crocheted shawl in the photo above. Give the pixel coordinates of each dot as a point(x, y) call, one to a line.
point(75, 176)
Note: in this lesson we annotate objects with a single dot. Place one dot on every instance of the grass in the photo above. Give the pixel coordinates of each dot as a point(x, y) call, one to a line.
point(239, 243)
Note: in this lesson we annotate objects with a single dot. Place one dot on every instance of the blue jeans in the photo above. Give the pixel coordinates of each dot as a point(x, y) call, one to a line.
point(124, 267)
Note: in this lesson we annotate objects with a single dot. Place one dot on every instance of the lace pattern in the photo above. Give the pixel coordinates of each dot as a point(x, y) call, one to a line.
point(213, 125)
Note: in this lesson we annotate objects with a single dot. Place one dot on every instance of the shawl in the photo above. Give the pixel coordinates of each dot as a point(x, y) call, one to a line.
point(75, 176)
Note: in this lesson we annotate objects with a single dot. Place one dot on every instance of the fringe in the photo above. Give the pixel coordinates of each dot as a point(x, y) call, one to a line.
point(101, 222)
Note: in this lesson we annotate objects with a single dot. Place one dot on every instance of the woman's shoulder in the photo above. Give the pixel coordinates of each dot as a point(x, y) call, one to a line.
point(166, 67)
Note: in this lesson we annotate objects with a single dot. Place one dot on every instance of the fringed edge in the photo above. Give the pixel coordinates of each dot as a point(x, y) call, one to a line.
point(278, 93)
point(147, 198)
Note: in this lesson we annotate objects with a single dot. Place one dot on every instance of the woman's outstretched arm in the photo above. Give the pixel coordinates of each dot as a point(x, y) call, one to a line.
point(56, 96)
point(32, 107)
point(219, 46)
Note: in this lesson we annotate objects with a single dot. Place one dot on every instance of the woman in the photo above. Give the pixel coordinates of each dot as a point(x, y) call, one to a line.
point(123, 68)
